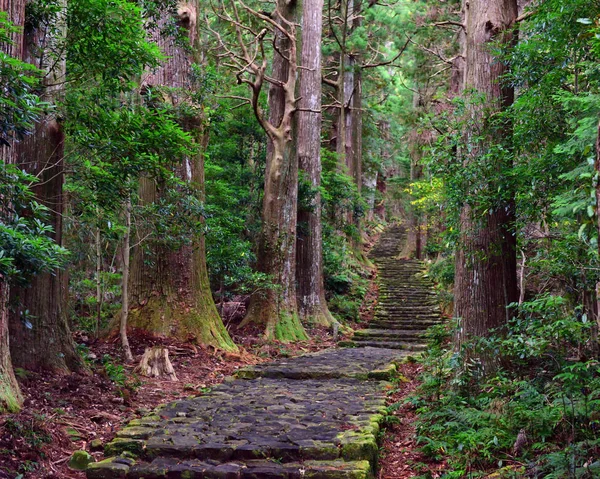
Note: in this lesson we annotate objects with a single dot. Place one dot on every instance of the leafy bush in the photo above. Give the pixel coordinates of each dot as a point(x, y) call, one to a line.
point(539, 407)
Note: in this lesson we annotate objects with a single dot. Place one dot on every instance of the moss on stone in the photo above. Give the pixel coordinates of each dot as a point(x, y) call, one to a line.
point(135, 432)
point(358, 446)
point(111, 468)
point(118, 445)
point(386, 372)
point(80, 460)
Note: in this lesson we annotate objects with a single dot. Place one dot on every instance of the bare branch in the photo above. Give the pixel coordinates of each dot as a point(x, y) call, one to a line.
point(451, 23)
point(388, 62)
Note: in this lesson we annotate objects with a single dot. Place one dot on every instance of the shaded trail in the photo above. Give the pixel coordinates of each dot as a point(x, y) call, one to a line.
point(406, 306)
point(314, 416)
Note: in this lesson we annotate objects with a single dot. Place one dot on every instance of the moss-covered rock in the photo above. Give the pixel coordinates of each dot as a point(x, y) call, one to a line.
point(80, 460)
point(119, 445)
point(111, 468)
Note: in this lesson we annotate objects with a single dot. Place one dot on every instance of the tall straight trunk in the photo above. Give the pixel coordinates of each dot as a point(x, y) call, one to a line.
point(10, 394)
point(486, 264)
point(357, 124)
point(39, 330)
point(413, 240)
point(276, 309)
point(99, 294)
point(349, 122)
point(596, 326)
point(125, 284)
point(169, 290)
point(312, 306)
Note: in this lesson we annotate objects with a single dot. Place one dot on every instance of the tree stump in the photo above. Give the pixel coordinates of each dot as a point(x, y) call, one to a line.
point(155, 362)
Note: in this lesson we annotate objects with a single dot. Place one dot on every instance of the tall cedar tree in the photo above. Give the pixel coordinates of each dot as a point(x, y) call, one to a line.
point(311, 290)
point(10, 396)
point(39, 330)
point(277, 308)
point(486, 272)
point(169, 290)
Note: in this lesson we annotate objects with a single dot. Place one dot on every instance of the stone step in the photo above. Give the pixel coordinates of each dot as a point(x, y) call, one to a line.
point(400, 334)
point(328, 364)
point(401, 345)
point(402, 315)
point(388, 339)
point(403, 325)
point(174, 468)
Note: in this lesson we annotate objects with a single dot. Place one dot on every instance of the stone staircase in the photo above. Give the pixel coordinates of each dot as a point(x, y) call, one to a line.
point(407, 304)
point(316, 416)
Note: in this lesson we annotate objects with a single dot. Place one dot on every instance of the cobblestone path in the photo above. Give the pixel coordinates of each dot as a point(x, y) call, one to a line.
point(406, 305)
point(316, 416)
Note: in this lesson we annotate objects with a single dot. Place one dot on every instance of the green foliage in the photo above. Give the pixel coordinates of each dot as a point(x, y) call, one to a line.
point(26, 245)
point(538, 390)
point(234, 182)
point(107, 41)
point(84, 302)
point(115, 372)
point(20, 106)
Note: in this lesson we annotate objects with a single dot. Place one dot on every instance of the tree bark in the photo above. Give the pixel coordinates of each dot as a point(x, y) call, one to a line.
point(125, 284)
point(41, 339)
point(170, 291)
point(312, 306)
point(486, 265)
point(276, 309)
point(596, 326)
point(10, 394)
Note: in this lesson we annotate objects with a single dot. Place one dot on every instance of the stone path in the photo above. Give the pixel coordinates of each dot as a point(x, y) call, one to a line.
point(406, 305)
point(316, 416)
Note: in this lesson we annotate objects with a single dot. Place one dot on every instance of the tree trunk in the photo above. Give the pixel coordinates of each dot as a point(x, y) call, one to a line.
point(486, 272)
point(99, 292)
point(125, 284)
point(312, 306)
point(10, 395)
point(276, 309)
point(170, 291)
point(596, 325)
point(39, 330)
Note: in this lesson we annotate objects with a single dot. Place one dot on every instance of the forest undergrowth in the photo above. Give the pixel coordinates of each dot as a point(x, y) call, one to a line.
point(534, 412)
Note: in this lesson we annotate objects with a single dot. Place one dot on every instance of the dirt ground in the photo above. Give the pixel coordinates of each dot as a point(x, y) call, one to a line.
point(401, 458)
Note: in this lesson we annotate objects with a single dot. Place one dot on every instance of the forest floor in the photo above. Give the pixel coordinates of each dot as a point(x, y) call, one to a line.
point(62, 414)
point(83, 411)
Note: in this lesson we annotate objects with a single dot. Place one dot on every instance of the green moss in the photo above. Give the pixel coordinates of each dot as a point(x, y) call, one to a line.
point(246, 373)
point(135, 432)
point(10, 400)
point(201, 322)
point(287, 328)
point(358, 446)
point(386, 372)
point(108, 469)
point(119, 445)
point(80, 460)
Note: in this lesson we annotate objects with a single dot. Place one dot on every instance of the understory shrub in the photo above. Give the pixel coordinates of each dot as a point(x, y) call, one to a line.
point(536, 415)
